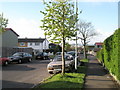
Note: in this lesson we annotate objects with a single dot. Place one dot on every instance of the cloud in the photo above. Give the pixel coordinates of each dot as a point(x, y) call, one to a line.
point(102, 35)
point(26, 28)
point(30, 28)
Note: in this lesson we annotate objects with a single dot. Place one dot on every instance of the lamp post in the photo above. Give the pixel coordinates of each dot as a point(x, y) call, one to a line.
point(76, 39)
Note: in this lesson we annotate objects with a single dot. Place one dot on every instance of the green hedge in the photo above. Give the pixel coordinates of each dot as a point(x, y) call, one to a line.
point(100, 55)
point(110, 54)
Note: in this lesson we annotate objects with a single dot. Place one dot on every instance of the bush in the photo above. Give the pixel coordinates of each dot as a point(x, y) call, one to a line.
point(110, 54)
point(100, 56)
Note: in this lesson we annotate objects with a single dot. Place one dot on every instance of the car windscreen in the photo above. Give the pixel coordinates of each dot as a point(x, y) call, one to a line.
point(59, 58)
point(72, 53)
point(40, 53)
point(45, 54)
point(17, 54)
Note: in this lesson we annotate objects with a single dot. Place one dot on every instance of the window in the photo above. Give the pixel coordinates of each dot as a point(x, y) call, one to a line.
point(37, 43)
point(30, 44)
point(22, 44)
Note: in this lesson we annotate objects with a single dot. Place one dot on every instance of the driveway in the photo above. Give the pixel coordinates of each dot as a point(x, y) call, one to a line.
point(24, 75)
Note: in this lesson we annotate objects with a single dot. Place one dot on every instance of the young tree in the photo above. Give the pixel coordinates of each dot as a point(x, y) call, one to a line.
point(59, 23)
point(3, 23)
point(86, 31)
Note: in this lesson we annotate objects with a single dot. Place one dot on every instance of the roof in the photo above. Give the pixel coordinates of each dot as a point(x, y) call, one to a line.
point(11, 30)
point(31, 39)
point(98, 43)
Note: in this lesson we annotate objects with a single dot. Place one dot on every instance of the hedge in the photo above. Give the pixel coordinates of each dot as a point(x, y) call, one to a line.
point(110, 54)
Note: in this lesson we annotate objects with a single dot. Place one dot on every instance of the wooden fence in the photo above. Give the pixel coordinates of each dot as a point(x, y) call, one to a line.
point(6, 52)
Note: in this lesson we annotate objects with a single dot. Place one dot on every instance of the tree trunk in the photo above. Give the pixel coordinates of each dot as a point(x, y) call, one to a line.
point(63, 43)
point(85, 55)
point(63, 60)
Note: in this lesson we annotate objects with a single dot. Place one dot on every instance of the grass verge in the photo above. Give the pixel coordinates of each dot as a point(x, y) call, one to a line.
point(69, 80)
point(84, 60)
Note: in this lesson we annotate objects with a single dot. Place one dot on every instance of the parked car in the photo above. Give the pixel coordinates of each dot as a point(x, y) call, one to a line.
point(58, 53)
point(4, 61)
point(21, 57)
point(42, 55)
point(56, 64)
point(71, 53)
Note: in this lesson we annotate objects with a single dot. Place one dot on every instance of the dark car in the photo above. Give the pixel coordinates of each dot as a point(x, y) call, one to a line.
point(42, 55)
point(4, 61)
point(21, 57)
point(71, 53)
point(58, 53)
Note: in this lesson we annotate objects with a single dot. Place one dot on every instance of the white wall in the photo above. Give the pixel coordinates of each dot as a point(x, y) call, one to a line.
point(36, 47)
point(40, 47)
point(45, 44)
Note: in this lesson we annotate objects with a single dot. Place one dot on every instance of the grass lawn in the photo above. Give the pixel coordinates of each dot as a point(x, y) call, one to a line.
point(69, 80)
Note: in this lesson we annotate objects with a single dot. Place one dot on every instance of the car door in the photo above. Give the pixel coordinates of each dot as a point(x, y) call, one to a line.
point(25, 56)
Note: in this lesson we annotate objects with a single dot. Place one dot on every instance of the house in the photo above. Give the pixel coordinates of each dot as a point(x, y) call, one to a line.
point(90, 49)
point(9, 40)
point(38, 44)
point(98, 45)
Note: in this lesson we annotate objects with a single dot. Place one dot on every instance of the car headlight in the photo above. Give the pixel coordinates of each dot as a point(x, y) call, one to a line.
point(50, 65)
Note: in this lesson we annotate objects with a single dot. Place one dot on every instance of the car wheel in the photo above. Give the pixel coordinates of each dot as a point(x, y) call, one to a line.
point(50, 72)
point(29, 60)
point(20, 61)
point(6, 63)
point(44, 58)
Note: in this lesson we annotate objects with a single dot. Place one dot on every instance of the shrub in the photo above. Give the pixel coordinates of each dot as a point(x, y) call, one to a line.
point(110, 54)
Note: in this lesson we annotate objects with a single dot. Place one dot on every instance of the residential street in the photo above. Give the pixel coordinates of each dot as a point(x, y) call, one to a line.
point(24, 75)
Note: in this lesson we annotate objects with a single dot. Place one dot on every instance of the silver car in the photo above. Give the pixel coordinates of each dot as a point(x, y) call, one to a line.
point(56, 64)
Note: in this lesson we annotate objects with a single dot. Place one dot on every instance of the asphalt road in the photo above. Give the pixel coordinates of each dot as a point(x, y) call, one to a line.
point(24, 75)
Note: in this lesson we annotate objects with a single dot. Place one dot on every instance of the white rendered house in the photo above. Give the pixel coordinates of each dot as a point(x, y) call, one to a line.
point(38, 44)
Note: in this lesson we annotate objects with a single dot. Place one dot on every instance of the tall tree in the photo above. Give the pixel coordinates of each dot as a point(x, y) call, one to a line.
point(3, 23)
point(59, 23)
point(86, 31)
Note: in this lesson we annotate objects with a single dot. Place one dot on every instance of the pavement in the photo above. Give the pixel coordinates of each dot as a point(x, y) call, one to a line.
point(97, 77)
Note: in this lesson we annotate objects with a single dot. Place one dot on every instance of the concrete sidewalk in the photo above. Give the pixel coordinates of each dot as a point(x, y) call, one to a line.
point(97, 76)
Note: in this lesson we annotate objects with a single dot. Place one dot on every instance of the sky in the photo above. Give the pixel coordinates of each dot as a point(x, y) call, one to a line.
point(25, 17)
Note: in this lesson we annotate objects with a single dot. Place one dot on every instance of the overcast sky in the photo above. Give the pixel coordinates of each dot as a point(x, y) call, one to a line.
point(24, 17)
